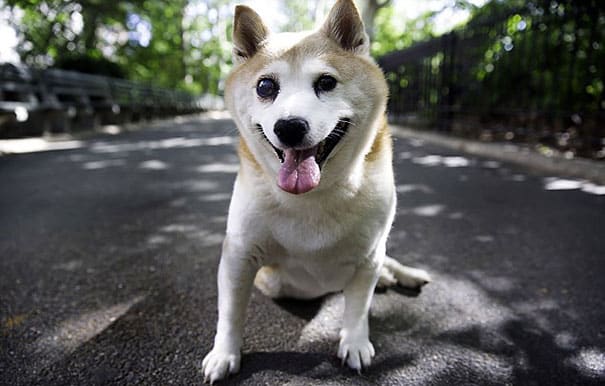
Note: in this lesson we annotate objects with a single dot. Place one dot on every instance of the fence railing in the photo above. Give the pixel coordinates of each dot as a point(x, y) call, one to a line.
point(33, 102)
point(529, 74)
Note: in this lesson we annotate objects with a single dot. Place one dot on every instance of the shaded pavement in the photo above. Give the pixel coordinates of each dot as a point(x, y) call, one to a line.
point(109, 250)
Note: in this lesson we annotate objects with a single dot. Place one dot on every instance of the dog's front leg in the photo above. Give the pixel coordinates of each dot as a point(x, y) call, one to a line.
point(355, 347)
point(235, 276)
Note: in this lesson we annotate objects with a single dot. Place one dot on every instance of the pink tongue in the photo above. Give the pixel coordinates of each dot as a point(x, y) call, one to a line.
point(299, 173)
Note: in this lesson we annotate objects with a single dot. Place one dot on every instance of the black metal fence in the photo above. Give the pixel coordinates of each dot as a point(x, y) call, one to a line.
point(33, 102)
point(534, 73)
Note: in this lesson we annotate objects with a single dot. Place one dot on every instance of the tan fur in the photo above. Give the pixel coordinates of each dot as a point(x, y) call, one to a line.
point(382, 142)
point(246, 155)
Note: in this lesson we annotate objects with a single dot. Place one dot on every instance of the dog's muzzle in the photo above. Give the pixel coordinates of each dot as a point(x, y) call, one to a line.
point(300, 169)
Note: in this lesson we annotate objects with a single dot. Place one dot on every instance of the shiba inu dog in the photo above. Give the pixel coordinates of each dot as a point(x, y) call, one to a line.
point(314, 197)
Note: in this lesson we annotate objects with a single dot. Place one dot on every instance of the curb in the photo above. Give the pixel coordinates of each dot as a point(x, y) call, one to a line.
point(516, 154)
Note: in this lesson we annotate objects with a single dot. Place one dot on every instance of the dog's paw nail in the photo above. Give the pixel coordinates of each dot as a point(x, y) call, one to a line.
point(357, 354)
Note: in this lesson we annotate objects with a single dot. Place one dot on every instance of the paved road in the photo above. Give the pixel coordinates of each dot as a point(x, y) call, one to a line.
point(108, 254)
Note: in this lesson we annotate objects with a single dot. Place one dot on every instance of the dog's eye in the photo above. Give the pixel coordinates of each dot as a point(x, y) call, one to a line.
point(267, 88)
point(325, 83)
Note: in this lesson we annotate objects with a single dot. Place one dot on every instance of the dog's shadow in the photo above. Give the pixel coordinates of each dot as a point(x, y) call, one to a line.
point(315, 366)
point(304, 309)
point(405, 291)
point(288, 362)
point(307, 309)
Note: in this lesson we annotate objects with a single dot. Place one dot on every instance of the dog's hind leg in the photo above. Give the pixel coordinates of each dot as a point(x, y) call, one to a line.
point(393, 272)
point(274, 283)
point(268, 281)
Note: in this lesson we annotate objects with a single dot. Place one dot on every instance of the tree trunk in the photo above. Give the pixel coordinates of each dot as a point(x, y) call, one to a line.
point(89, 32)
point(368, 9)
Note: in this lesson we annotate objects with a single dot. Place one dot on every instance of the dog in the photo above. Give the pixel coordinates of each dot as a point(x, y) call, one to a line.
point(314, 197)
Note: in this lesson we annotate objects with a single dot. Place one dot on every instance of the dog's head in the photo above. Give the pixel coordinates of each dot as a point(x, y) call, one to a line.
point(307, 104)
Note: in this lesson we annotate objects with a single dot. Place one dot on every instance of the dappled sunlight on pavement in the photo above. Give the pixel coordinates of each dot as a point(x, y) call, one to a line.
point(74, 332)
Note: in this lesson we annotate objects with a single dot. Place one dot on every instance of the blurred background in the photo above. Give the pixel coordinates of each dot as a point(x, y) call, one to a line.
point(499, 70)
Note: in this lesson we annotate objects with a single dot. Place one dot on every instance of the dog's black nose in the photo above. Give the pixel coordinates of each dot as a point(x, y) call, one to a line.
point(291, 131)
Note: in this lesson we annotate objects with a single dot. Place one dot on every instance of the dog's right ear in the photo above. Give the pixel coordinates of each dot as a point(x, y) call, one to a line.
point(249, 32)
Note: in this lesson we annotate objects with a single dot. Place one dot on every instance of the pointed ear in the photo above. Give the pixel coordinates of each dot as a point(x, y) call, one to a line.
point(345, 27)
point(249, 32)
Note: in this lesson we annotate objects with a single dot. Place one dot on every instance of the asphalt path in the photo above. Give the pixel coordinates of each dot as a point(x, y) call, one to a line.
point(109, 251)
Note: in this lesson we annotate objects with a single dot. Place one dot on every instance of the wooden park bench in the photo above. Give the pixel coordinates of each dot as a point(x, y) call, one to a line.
point(35, 102)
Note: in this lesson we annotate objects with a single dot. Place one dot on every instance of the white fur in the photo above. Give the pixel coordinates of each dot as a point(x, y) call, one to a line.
point(332, 238)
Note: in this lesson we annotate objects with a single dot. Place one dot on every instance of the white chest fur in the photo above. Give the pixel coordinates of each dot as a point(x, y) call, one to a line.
point(318, 239)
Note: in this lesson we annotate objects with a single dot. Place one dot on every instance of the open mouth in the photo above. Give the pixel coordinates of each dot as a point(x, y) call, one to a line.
point(300, 169)
point(323, 149)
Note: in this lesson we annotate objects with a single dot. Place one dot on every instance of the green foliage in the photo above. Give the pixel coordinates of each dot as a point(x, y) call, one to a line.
point(391, 35)
point(162, 60)
point(52, 28)
point(533, 69)
point(554, 49)
point(177, 44)
point(207, 49)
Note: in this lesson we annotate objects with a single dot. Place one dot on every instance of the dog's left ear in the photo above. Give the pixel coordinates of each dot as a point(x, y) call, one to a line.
point(345, 27)
point(249, 32)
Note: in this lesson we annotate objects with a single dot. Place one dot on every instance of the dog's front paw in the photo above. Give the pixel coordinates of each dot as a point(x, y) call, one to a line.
point(218, 364)
point(356, 351)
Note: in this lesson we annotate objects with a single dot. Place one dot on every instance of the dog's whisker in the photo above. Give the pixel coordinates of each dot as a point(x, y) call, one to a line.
point(347, 121)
